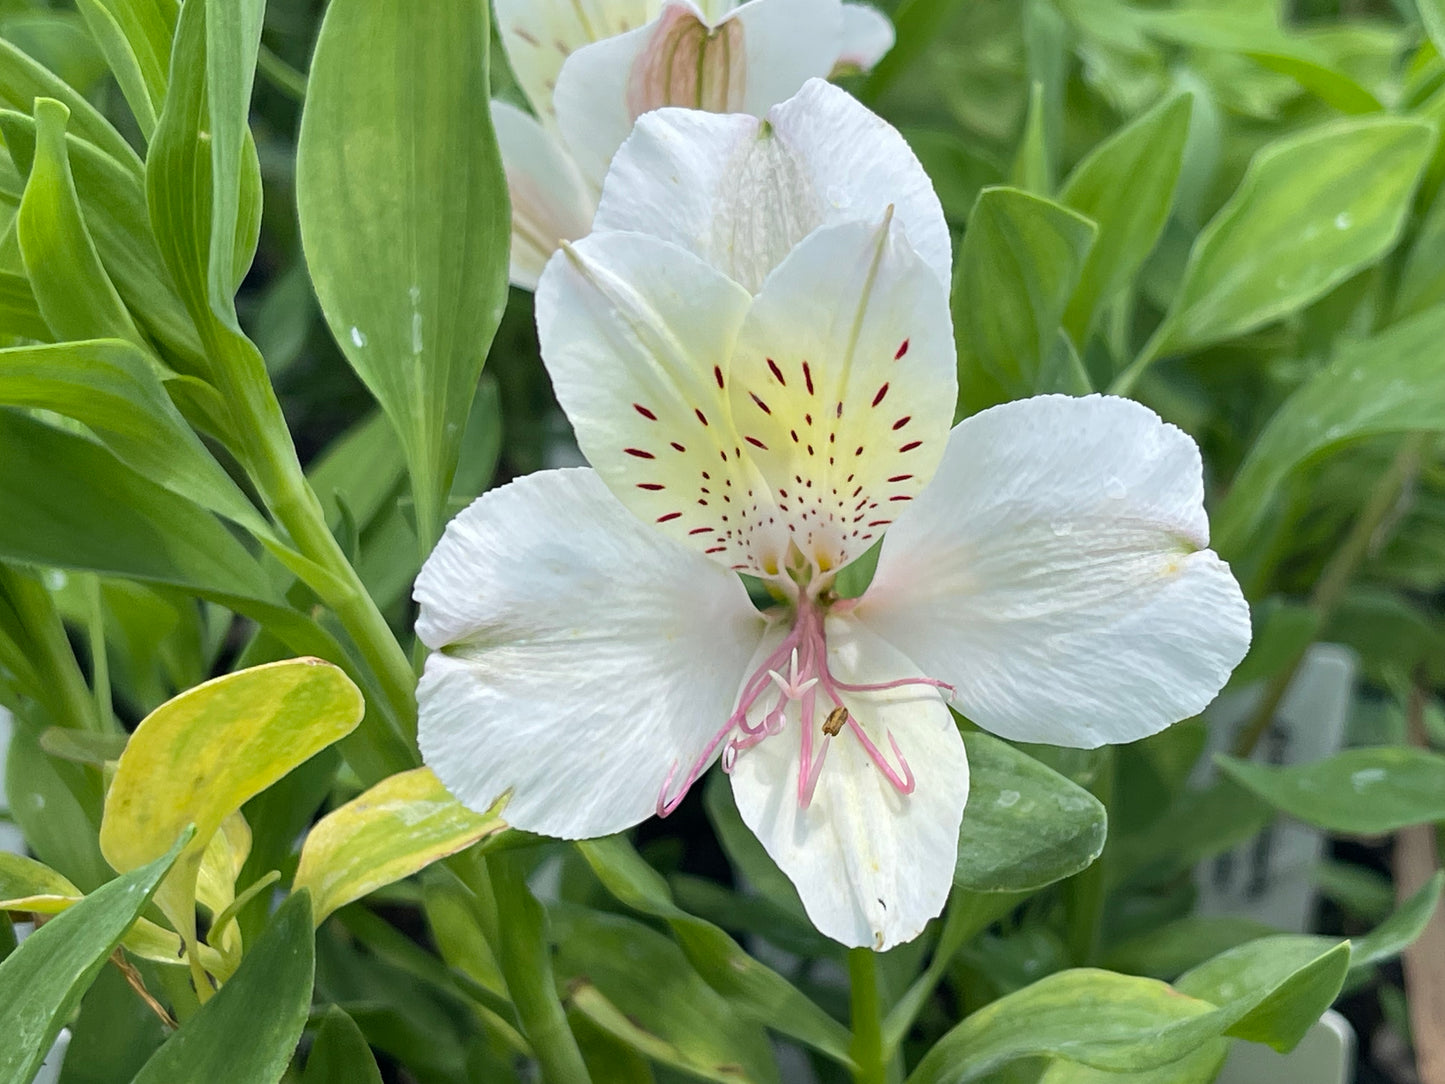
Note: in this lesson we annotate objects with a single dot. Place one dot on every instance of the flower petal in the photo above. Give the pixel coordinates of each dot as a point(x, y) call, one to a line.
point(577, 655)
point(867, 36)
point(843, 383)
point(551, 202)
point(872, 865)
point(754, 57)
point(637, 335)
point(539, 35)
point(742, 194)
point(1055, 573)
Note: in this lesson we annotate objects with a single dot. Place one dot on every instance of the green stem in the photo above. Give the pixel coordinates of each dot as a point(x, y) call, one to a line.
point(61, 685)
point(99, 661)
point(1085, 892)
point(525, 959)
point(281, 75)
point(1125, 381)
point(870, 1065)
point(1336, 578)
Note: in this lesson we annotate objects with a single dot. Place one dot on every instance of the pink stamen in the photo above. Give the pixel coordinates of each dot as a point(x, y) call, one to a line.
point(805, 652)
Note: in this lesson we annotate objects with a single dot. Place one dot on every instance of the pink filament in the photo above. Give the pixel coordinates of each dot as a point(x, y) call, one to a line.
point(806, 649)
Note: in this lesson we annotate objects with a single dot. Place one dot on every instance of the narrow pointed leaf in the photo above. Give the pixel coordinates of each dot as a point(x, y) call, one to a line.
point(42, 981)
point(403, 208)
point(247, 1033)
point(340, 1054)
point(22, 80)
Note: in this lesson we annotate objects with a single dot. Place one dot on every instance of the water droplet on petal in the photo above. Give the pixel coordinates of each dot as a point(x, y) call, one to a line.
point(1062, 528)
point(1007, 799)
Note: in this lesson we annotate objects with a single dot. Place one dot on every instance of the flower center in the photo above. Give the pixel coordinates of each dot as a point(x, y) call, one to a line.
point(797, 671)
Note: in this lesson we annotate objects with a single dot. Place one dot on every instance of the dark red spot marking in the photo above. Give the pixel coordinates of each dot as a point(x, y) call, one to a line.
point(900, 477)
point(773, 365)
point(649, 415)
point(901, 497)
point(858, 450)
point(810, 449)
point(669, 516)
point(756, 443)
point(639, 453)
point(840, 410)
point(715, 549)
point(794, 434)
point(881, 393)
point(761, 405)
point(717, 375)
point(678, 446)
point(903, 349)
point(901, 422)
point(700, 415)
point(910, 446)
point(701, 530)
point(808, 377)
point(653, 486)
point(879, 522)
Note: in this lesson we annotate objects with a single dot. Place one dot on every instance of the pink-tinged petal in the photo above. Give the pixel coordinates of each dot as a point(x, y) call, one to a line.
point(1055, 572)
point(577, 655)
point(539, 36)
point(551, 202)
point(843, 383)
point(742, 194)
point(637, 335)
point(867, 36)
point(749, 60)
point(872, 864)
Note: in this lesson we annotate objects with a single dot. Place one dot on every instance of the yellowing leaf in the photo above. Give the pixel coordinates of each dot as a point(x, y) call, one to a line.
point(402, 825)
point(198, 757)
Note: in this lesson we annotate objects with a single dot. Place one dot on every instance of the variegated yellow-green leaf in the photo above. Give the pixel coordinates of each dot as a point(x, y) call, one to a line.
point(198, 757)
point(402, 825)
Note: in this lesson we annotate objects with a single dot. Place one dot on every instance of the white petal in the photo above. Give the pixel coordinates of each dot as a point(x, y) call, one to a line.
point(872, 865)
point(754, 57)
point(843, 384)
point(742, 195)
point(637, 335)
point(539, 35)
point(1055, 573)
point(867, 37)
point(584, 655)
point(551, 202)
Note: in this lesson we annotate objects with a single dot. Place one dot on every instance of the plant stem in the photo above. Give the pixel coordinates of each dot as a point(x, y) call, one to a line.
point(1336, 578)
point(1086, 892)
point(870, 1065)
point(281, 75)
point(525, 959)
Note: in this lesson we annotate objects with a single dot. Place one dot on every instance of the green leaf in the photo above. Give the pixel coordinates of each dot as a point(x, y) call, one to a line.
point(1020, 260)
point(397, 828)
point(753, 990)
point(1422, 279)
point(638, 987)
point(340, 1054)
point(135, 36)
point(1122, 1023)
point(19, 312)
point(1432, 15)
point(1312, 210)
point(113, 204)
point(1033, 167)
point(1125, 185)
point(1373, 387)
point(1025, 826)
point(42, 981)
point(22, 81)
point(404, 221)
point(71, 286)
point(113, 387)
point(1360, 791)
point(1399, 931)
point(248, 1031)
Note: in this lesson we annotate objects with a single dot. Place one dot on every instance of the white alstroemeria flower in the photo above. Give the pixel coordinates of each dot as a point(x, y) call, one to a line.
point(591, 67)
point(757, 358)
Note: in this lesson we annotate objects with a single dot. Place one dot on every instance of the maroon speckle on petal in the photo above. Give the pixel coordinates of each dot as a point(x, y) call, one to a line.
point(761, 405)
point(717, 375)
point(639, 453)
point(900, 477)
point(901, 422)
point(756, 443)
point(808, 377)
point(773, 365)
point(910, 446)
point(678, 447)
point(649, 415)
point(881, 393)
point(653, 486)
point(903, 349)
point(669, 516)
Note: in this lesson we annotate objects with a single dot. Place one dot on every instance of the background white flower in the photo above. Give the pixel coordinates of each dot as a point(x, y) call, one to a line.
point(589, 68)
point(756, 353)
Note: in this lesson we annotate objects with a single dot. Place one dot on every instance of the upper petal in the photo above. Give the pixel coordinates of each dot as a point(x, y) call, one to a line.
point(1055, 573)
point(577, 655)
point(843, 383)
point(871, 865)
point(867, 36)
point(551, 202)
point(752, 58)
point(539, 35)
point(742, 193)
point(637, 335)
